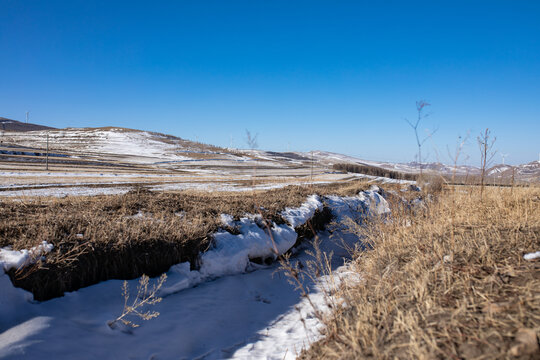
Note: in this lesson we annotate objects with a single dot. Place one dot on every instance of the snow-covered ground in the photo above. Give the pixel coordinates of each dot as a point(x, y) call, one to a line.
point(63, 191)
point(230, 308)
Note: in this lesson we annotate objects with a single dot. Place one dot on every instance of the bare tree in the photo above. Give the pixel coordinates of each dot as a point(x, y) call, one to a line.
point(251, 140)
point(485, 144)
point(420, 106)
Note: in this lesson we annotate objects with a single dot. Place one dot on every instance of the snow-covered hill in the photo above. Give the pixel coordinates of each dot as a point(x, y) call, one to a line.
point(112, 142)
point(123, 145)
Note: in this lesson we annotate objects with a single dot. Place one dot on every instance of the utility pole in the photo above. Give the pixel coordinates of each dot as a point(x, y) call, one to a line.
point(47, 158)
point(27, 116)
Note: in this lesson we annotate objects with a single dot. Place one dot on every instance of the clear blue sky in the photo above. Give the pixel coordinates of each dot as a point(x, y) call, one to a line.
point(331, 75)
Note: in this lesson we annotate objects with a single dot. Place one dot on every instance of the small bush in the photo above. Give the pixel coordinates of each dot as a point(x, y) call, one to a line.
point(431, 184)
point(138, 308)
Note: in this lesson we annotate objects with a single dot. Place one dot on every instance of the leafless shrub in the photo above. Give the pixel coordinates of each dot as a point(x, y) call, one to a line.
point(251, 140)
point(431, 184)
point(138, 307)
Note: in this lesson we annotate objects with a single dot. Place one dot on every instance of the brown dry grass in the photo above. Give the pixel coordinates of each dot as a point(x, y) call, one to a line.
point(124, 236)
point(447, 282)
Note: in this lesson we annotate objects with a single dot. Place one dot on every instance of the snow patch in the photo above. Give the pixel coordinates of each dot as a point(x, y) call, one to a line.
point(532, 256)
point(299, 216)
point(366, 203)
point(231, 253)
point(227, 220)
point(15, 259)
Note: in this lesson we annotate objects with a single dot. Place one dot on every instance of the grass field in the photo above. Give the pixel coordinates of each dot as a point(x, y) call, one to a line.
point(447, 281)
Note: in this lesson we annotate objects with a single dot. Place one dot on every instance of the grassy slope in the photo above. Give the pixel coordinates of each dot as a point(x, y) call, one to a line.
point(448, 282)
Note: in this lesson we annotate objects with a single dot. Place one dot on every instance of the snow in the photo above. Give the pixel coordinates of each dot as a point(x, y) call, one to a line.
point(532, 256)
point(113, 141)
point(63, 174)
point(255, 313)
point(231, 254)
point(367, 203)
point(382, 179)
point(299, 216)
point(15, 259)
point(216, 320)
point(83, 190)
point(227, 220)
point(66, 191)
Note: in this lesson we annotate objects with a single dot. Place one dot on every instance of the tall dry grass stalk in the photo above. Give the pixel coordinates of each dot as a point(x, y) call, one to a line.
point(446, 282)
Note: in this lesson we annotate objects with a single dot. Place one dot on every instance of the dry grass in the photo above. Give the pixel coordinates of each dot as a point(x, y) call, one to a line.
point(124, 236)
point(446, 282)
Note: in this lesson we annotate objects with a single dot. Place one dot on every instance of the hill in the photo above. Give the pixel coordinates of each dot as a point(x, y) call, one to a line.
point(14, 125)
point(130, 147)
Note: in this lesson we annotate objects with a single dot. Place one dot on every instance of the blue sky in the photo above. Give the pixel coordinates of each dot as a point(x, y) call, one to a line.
point(330, 75)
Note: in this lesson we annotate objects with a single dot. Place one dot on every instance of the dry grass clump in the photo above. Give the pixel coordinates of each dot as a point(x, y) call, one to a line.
point(431, 184)
point(124, 236)
point(446, 282)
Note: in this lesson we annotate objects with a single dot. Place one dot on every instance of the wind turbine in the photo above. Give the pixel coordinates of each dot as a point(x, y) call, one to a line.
point(504, 157)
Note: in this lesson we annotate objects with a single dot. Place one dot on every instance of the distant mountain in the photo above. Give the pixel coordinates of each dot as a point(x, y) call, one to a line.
point(14, 125)
point(529, 172)
point(497, 174)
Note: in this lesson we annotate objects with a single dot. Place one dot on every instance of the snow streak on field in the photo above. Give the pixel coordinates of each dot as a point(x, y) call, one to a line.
point(230, 308)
